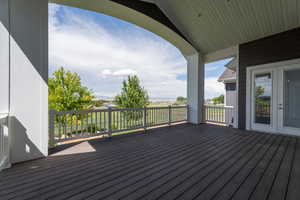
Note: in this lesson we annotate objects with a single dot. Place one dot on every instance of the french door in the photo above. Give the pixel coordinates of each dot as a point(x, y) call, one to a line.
point(275, 99)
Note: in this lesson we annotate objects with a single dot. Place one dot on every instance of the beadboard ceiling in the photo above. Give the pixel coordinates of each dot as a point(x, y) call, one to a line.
point(212, 25)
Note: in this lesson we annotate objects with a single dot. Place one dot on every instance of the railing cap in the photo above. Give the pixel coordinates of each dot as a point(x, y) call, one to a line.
point(114, 109)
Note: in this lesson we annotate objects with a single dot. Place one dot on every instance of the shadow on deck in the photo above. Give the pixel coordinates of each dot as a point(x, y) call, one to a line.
point(180, 162)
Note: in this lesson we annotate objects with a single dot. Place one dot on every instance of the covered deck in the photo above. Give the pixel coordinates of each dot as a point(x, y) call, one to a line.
point(177, 162)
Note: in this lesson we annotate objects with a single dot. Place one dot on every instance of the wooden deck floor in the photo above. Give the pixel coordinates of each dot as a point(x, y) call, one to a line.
point(181, 162)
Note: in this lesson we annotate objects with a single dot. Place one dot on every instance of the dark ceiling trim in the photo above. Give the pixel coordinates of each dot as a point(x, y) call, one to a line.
point(151, 10)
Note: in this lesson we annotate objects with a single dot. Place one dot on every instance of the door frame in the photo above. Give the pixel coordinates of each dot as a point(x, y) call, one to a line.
point(269, 67)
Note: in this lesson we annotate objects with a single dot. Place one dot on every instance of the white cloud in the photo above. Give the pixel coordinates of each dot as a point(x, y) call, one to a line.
point(118, 73)
point(213, 88)
point(53, 10)
point(103, 59)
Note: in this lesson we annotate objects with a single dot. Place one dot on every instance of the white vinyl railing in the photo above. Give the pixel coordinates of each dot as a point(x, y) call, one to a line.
point(219, 114)
point(69, 125)
point(4, 142)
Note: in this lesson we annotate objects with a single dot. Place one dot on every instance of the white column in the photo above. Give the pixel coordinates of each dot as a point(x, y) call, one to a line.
point(28, 79)
point(195, 87)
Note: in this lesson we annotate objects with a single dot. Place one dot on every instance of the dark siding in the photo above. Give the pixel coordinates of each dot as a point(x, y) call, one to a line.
point(279, 47)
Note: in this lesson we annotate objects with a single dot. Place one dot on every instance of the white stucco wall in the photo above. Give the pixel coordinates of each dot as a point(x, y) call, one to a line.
point(4, 84)
point(4, 57)
point(28, 79)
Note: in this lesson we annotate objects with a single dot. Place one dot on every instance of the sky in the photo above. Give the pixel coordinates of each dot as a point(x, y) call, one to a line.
point(104, 50)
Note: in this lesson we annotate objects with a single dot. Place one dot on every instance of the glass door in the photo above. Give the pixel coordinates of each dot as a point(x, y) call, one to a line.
point(289, 100)
point(275, 99)
point(262, 101)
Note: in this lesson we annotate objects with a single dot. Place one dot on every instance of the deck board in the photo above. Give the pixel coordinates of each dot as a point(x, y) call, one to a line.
point(179, 162)
point(279, 188)
point(264, 184)
point(225, 180)
point(186, 180)
point(245, 191)
point(293, 192)
point(203, 161)
point(260, 160)
point(199, 183)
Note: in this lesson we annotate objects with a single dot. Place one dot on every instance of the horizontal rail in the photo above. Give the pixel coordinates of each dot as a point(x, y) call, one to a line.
point(219, 114)
point(69, 125)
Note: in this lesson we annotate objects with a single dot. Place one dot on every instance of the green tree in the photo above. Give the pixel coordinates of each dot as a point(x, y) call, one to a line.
point(218, 100)
point(259, 91)
point(67, 93)
point(98, 103)
point(260, 98)
point(133, 95)
point(180, 100)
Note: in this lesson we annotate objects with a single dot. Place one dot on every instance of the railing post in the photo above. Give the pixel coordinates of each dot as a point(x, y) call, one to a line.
point(51, 128)
point(204, 114)
point(109, 122)
point(145, 118)
point(187, 112)
point(170, 115)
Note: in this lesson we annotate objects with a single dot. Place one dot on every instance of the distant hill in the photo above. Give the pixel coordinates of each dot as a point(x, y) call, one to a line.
point(162, 99)
point(155, 99)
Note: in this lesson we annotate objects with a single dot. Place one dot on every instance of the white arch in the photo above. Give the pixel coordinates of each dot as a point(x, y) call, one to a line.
point(122, 12)
point(195, 60)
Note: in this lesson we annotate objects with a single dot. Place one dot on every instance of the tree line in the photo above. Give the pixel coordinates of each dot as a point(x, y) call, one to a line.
point(66, 92)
